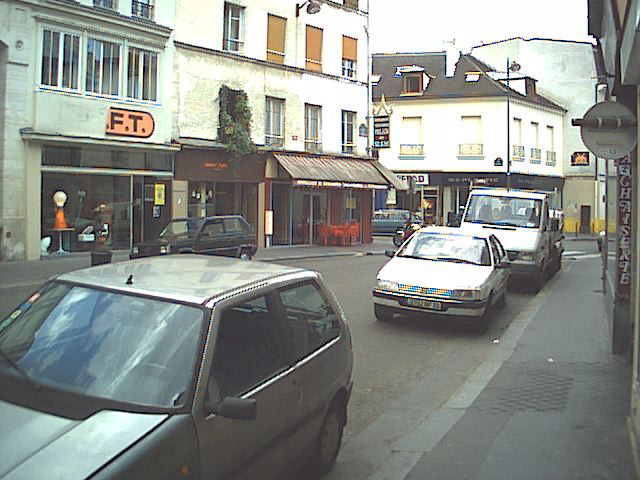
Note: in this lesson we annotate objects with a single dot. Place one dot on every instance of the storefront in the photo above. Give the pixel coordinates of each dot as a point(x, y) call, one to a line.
point(322, 200)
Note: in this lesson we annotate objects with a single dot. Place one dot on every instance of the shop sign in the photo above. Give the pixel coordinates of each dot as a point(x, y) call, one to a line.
point(381, 128)
point(467, 179)
point(334, 184)
point(623, 257)
point(421, 179)
point(580, 159)
point(129, 123)
point(216, 166)
point(159, 194)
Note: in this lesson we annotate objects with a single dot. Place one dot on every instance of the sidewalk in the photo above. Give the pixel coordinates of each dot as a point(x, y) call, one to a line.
point(551, 401)
point(28, 273)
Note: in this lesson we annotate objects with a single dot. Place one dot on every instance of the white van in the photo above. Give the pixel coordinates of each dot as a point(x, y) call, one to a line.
point(521, 221)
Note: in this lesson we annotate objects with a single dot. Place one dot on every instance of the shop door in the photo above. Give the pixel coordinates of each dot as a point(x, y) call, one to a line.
point(585, 219)
point(151, 207)
point(318, 213)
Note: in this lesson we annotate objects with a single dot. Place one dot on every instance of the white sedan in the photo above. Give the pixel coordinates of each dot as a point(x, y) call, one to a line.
point(444, 271)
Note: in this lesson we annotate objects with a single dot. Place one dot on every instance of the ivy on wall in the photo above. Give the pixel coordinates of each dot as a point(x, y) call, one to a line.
point(235, 122)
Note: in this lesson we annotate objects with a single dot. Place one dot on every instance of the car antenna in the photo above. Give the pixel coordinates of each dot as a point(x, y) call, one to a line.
point(129, 280)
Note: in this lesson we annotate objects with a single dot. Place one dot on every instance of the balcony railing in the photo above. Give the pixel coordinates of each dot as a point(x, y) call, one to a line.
point(551, 159)
point(142, 8)
point(470, 149)
point(109, 4)
point(412, 149)
point(518, 153)
point(313, 145)
point(274, 140)
point(536, 156)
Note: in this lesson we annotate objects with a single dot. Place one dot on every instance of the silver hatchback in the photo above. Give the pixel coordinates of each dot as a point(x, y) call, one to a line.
point(182, 366)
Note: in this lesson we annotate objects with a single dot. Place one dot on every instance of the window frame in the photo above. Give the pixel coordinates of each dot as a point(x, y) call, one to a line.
point(102, 42)
point(62, 34)
point(276, 56)
point(140, 60)
point(310, 143)
point(271, 138)
point(228, 18)
point(346, 146)
point(405, 83)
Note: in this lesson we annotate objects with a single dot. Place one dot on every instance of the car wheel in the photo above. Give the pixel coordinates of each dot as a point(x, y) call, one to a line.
point(503, 299)
point(245, 256)
point(329, 439)
point(540, 277)
point(382, 313)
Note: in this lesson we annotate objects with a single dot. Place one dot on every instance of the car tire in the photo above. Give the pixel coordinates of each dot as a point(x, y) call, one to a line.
point(329, 439)
point(244, 255)
point(539, 279)
point(382, 313)
point(502, 302)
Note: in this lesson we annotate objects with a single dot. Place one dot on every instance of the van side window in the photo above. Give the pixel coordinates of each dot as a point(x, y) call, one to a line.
point(309, 318)
point(248, 349)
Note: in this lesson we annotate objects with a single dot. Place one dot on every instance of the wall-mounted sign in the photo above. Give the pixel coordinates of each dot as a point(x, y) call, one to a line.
point(381, 129)
point(159, 194)
point(421, 179)
point(216, 166)
point(498, 162)
point(129, 123)
point(334, 184)
point(625, 208)
point(580, 159)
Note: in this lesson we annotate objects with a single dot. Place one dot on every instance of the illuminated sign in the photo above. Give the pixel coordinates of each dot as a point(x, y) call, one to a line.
point(580, 159)
point(129, 123)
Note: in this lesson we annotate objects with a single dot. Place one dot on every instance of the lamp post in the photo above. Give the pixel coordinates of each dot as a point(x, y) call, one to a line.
point(511, 67)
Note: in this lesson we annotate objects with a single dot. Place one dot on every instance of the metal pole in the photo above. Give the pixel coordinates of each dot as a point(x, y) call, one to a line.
point(508, 157)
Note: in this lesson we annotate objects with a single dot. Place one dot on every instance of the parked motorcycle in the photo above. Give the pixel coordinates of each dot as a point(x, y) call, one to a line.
point(403, 234)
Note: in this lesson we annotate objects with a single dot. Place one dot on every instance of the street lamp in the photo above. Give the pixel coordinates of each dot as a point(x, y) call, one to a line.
point(511, 67)
point(313, 7)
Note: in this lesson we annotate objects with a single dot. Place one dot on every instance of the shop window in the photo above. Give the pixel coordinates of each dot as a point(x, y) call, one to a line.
point(103, 67)
point(349, 56)
point(276, 29)
point(312, 130)
point(274, 122)
point(60, 59)
point(348, 127)
point(313, 54)
point(142, 74)
point(233, 28)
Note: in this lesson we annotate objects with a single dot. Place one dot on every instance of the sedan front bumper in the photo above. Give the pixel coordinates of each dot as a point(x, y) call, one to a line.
point(402, 301)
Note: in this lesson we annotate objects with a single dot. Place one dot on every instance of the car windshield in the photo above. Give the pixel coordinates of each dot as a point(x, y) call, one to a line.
point(186, 227)
point(107, 345)
point(447, 248)
point(505, 211)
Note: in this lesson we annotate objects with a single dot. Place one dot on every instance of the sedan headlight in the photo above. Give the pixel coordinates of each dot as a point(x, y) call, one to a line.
point(386, 285)
point(466, 294)
point(135, 251)
point(165, 249)
point(528, 256)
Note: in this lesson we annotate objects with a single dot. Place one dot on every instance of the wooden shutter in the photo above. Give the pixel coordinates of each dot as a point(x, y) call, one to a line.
point(349, 48)
point(275, 38)
point(314, 49)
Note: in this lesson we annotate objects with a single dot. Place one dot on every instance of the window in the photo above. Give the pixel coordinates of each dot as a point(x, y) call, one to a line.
point(233, 28)
point(349, 56)
point(235, 226)
point(310, 320)
point(248, 350)
point(142, 8)
point(213, 229)
point(103, 67)
point(142, 74)
point(471, 136)
point(534, 134)
point(276, 29)
point(348, 124)
point(60, 59)
point(110, 4)
point(411, 136)
point(412, 83)
point(313, 54)
point(550, 139)
point(274, 122)
point(312, 127)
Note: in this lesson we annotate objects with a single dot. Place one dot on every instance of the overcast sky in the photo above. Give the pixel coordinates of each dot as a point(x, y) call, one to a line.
point(424, 25)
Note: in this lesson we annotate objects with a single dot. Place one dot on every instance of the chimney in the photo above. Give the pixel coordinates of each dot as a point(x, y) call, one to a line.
point(452, 55)
point(530, 86)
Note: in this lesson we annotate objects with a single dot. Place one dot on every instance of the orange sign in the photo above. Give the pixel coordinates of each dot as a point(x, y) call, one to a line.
point(129, 123)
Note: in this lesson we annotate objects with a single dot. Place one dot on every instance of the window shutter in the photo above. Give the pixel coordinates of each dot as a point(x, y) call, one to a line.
point(349, 48)
point(275, 38)
point(314, 49)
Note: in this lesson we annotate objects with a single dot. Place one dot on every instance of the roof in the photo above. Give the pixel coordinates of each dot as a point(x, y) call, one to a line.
point(385, 64)
point(186, 278)
point(503, 192)
point(456, 86)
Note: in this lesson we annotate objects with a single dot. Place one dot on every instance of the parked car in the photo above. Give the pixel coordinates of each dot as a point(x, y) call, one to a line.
point(389, 221)
point(180, 366)
point(227, 235)
point(442, 271)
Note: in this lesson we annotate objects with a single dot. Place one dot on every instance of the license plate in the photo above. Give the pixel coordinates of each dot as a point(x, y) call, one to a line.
point(412, 302)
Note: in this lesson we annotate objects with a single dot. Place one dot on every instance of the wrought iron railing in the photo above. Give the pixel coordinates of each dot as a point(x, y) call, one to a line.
point(313, 145)
point(411, 149)
point(274, 140)
point(110, 4)
point(142, 8)
point(536, 156)
point(518, 153)
point(551, 159)
point(470, 149)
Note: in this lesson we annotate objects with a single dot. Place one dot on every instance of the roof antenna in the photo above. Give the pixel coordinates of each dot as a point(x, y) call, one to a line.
point(129, 280)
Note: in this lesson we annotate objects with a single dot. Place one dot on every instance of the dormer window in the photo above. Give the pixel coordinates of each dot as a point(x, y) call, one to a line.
point(412, 83)
point(472, 76)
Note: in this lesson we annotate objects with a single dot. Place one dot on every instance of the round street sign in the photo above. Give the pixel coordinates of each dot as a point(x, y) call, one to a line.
point(609, 130)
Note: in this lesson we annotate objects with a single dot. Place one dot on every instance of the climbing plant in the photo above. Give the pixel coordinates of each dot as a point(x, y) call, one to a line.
point(235, 122)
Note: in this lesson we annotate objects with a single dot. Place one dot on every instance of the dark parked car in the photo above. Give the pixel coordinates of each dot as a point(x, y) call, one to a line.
point(178, 366)
point(227, 235)
point(388, 221)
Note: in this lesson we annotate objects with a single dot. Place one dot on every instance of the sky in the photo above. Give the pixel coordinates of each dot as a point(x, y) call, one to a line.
point(424, 25)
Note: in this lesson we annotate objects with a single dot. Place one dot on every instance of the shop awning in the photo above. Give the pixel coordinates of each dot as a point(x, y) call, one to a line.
point(337, 172)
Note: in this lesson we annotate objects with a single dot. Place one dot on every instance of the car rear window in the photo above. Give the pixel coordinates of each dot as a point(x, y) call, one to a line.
point(234, 225)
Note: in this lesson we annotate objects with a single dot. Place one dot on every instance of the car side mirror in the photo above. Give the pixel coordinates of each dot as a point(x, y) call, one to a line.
point(503, 264)
point(234, 407)
point(389, 253)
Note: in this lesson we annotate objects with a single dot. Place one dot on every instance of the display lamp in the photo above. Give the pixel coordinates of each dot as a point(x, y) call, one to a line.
point(60, 198)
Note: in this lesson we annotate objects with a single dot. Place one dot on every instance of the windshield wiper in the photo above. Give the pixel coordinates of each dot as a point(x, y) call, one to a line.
point(417, 257)
point(457, 260)
point(35, 385)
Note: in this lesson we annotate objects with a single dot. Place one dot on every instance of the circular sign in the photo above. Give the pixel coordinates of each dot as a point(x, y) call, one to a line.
point(609, 130)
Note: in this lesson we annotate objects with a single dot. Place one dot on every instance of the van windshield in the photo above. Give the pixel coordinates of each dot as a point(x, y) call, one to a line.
point(505, 211)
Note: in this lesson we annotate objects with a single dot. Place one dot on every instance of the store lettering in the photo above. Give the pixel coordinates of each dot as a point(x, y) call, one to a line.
point(624, 221)
point(129, 123)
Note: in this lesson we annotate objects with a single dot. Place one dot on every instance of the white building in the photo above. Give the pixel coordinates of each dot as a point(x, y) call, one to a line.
point(85, 98)
point(451, 131)
point(566, 72)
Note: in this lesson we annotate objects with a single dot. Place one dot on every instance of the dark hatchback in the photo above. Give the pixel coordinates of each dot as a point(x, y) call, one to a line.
point(226, 235)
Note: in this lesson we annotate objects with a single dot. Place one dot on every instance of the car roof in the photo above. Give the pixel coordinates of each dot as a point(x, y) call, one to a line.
point(206, 218)
point(503, 192)
point(455, 231)
point(186, 278)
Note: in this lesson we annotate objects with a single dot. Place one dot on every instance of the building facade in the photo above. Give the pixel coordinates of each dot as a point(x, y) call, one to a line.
point(566, 72)
point(85, 109)
point(451, 132)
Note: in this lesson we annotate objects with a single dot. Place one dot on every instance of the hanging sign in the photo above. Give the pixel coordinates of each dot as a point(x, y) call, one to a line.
point(159, 194)
point(381, 128)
